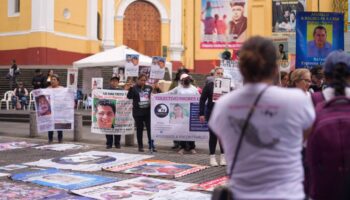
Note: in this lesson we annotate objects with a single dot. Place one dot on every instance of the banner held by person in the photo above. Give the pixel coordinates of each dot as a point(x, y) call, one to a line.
point(158, 68)
point(221, 86)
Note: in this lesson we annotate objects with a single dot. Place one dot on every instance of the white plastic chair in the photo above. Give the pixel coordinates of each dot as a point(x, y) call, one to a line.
point(7, 99)
point(31, 100)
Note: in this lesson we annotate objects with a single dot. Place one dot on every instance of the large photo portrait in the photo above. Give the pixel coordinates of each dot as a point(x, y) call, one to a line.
point(284, 14)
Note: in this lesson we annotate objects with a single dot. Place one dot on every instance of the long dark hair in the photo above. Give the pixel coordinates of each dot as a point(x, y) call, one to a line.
point(339, 76)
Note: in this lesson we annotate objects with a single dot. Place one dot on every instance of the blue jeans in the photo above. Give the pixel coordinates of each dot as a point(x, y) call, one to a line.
point(23, 101)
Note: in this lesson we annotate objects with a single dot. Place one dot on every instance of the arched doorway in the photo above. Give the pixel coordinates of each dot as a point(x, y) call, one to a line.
point(142, 28)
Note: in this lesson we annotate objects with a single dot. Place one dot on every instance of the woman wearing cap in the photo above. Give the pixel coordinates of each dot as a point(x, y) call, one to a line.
point(184, 88)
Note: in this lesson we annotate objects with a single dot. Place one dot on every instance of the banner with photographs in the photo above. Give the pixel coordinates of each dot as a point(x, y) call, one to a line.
point(284, 14)
point(318, 34)
point(54, 109)
point(157, 168)
point(60, 147)
point(232, 72)
point(176, 117)
point(96, 83)
point(158, 68)
point(89, 161)
point(111, 112)
point(223, 24)
point(221, 86)
point(141, 188)
point(15, 145)
point(66, 196)
point(119, 72)
point(132, 65)
point(72, 78)
point(209, 186)
point(62, 179)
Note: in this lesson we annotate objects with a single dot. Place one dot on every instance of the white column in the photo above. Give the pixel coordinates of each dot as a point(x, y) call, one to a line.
point(108, 24)
point(92, 20)
point(176, 48)
point(42, 15)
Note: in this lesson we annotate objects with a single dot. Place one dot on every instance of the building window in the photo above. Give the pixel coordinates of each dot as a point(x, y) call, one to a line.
point(17, 6)
point(14, 8)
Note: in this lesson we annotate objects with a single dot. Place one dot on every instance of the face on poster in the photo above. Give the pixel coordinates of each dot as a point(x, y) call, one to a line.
point(43, 105)
point(318, 34)
point(223, 23)
point(72, 78)
point(284, 14)
point(96, 83)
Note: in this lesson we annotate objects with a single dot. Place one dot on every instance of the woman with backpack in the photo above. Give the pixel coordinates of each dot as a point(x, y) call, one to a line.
point(328, 147)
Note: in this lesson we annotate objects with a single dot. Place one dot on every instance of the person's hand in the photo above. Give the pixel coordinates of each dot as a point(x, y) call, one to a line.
point(202, 119)
point(127, 86)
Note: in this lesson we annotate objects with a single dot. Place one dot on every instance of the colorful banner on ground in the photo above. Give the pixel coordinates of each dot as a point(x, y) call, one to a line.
point(221, 86)
point(66, 196)
point(157, 168)
point(12, 167)
point(15, 145)
point(96, 83)
point(318, 33)
point(184, 195)
point(60, 147)
point(132, 65)
point(284, 14)
point(54, 109)
point(72, 78)
point(5, 175)
point(141, 188)
point(61, 179)
point(176, 117)
point(209, 186)
point(223, 24)
point(89, 161)
point(232, 72)
point(111, 112)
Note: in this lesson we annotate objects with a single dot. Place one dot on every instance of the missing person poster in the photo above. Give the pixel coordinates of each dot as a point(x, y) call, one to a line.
point(284, 14)
point(111, 113)
point(221, 86)
point(318, 34)
point(119, 72)
point(223, 23)
point(231, 71)
point(157, 68)
point(96, 83)
point(72, 78)
point(132, 65)
point(54, 109)
point(176, 117)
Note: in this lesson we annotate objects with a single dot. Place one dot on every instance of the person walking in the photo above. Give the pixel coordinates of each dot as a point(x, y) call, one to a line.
point(261, 129)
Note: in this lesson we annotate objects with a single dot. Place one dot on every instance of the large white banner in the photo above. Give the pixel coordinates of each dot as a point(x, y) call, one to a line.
point(54, 109)
point(176, 117)
point(232, 72)
point(111, 112)
point(72, 78)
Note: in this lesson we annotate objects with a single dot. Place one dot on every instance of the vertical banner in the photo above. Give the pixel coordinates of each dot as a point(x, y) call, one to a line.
point(284, 14)
point(54, 109)
point(318, 33)
point(223, 23)
point(176, 117)
point(72, 78)
point(96, 83)
point(232, 72)
point(111, 113)
point(132, 65)
point(157, 68)
point(221, 86)
point(119, 72)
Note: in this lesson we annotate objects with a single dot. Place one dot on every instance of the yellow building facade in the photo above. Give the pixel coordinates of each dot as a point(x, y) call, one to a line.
point(59, 32)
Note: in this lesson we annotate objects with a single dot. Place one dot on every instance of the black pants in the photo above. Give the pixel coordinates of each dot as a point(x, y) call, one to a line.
point(140, 121)
point(187, 145)
point(212, 143)
point(109, 139)
point(59, 136)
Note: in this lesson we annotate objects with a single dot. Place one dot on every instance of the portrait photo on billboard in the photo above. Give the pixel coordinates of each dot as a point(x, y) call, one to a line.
point(284, 14)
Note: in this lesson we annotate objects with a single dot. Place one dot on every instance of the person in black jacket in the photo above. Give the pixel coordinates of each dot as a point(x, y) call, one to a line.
point(207, 94)
point(38, 80)
point(140, 94)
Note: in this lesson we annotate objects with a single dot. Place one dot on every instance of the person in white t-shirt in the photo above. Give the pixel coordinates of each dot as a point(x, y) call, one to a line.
point(269, 161)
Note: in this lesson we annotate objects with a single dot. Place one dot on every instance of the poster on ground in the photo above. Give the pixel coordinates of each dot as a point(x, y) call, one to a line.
point(318, 34)
point(223, 23)
point(60, 147)
point(141, 188)
point(15, 145)
point(54, 109)
point(96, 83)
point(209, 186)
point(157, 168)
point(176, 117)
point(232, 72)
point(62, 179)
point(89, 161)
point(284, 14)
point(132, 65)
point(184, 195)
point(222, 86)
point(72, 78)
point(65, 196)
point(111, 112)
point(12, 167)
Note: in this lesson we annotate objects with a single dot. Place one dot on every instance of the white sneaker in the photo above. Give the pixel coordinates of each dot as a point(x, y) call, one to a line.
point(222, 160)
point(212, 161)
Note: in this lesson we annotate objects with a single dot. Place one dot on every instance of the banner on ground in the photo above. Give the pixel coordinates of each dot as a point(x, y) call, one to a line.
point(15, 145)
point(284, 14)
point(60, 147)
point(221, 86)
point(61, 179)
point(132, 65)
point(96, 83)
point(66, 196)
point(209, 186)
point(223, 24)
point(89, 161)
point(111, 112)
point(318, 34)
point(72, 78)
point(232, 72)
point(54, 109)
point(157, 168)
point(12, 167)
point(176, 117)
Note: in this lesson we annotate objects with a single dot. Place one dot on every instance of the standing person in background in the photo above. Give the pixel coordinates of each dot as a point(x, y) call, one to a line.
point(265, 162)
point(207, 95)
point(13, 73)
point(38, 80)
point(140, 94)
point(301, 78)
point(54, 84)
point(317, 78)
point(50, 73)
point(284, 79)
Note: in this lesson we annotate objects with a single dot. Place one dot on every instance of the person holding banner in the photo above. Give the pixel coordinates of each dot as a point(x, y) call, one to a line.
point(207, 95)
point(55, 83)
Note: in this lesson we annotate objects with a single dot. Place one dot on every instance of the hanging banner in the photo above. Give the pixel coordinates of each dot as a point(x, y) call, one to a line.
point(284, 14)
point(223, 24)
point(132, 65)
point(54, 109)
point(176, 117)
point(158, 68)
point(318, 34)
point(96, 83)
point(119, 72)
point(232, 72)
point(111, 112)
point(72, 78)
point(221, 86)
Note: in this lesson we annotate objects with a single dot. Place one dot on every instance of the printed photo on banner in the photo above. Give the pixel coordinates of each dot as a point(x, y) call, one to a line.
point(231, 71)
point(96, 83)
point(72, 78)
point(132, 65)
point(318, 34)
point(222, 86)
point(179, 113)
point(223, 23)
point(119, 72)
point(111, 112)
point(284, 14)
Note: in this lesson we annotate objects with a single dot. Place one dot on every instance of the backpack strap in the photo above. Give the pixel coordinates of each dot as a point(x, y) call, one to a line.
point(317, 97)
